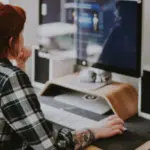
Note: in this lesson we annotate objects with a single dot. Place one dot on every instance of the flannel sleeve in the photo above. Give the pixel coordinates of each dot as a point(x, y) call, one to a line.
point(21, 110)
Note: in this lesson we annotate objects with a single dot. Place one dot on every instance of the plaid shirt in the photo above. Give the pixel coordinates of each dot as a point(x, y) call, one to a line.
point(22, 123)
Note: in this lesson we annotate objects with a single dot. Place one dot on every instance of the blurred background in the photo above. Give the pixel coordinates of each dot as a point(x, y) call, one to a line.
point(32, 8)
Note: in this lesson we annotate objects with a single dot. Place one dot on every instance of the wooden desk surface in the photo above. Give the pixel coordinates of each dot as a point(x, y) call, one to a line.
point(92, 148)
point(145, 146)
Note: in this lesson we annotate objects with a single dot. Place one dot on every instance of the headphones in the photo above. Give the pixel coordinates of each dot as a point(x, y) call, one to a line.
point(94, 76)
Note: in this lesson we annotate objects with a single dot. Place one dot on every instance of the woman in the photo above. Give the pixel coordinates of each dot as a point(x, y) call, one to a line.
point(22, 123)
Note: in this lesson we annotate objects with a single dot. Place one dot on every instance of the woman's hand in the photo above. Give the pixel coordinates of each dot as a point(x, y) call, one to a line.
point(109, 127)
point(23, 56)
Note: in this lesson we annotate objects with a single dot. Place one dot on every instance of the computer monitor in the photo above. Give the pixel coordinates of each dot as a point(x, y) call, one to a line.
point(109, 35)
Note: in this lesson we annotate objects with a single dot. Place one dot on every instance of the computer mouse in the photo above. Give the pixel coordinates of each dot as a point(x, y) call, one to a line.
point(87, 76)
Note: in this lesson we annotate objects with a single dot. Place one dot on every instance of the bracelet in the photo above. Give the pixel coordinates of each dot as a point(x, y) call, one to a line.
point(83, 139)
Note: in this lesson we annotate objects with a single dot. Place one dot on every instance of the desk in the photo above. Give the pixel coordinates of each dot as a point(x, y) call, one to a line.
point(141, 134)
point(141, 130)
point(138, 133)
point(123, 100)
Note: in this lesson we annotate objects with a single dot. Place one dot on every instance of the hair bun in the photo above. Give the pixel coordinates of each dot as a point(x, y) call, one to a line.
point(12, 20)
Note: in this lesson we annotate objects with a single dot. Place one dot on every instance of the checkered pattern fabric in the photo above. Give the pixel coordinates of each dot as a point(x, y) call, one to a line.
point(22, 123)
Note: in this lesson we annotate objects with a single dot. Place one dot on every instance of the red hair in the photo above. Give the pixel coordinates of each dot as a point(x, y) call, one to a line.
point(12, 20)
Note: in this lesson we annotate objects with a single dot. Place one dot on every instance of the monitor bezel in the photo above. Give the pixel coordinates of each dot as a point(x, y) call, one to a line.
point(129, 72)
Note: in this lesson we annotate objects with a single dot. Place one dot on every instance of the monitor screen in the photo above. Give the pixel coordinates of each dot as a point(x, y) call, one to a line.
point(109, 35)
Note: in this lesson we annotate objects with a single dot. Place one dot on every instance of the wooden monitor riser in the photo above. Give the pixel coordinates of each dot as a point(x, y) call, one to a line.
point(121, 97)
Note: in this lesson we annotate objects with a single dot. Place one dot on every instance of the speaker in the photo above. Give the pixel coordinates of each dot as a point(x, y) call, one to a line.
point(144, 96)
point(48, 66)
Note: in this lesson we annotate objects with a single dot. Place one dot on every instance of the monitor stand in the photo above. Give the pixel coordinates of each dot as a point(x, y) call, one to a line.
point(119, 96)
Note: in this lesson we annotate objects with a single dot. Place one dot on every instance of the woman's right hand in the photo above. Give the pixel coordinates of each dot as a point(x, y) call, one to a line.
point(23, 55)
point(109, 127)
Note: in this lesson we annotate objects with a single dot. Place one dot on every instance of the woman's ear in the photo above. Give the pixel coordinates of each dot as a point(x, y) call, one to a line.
point(13, 47)
point(10, 42)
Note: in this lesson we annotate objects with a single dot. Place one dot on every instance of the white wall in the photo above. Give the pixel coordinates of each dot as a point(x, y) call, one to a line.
point(4, 1)
point(32, 9)
point(32, 6)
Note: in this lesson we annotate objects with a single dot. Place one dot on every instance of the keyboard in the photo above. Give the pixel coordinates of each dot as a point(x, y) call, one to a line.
point(80, 100)
point(67, 119)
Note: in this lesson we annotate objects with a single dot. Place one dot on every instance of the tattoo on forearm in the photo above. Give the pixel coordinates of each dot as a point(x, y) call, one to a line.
point(82, 139)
